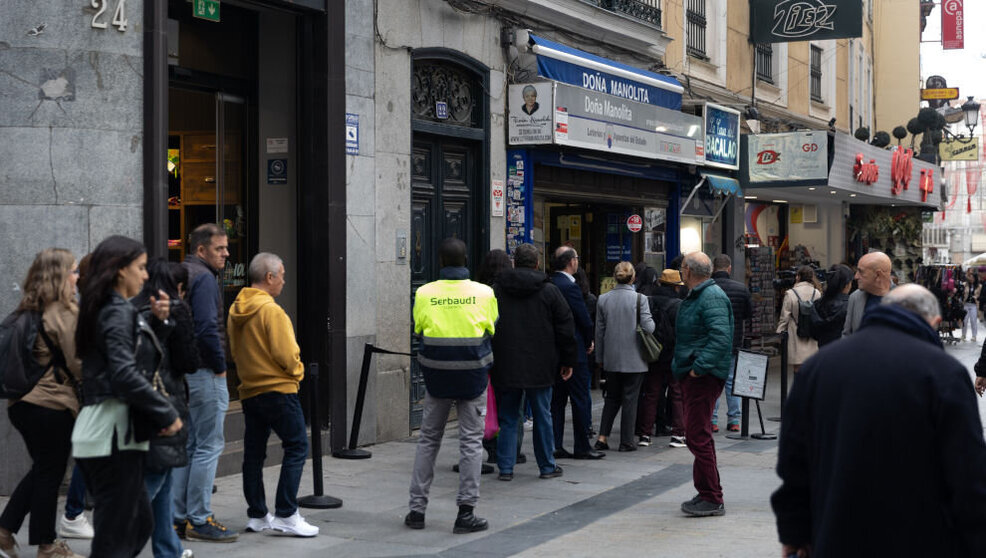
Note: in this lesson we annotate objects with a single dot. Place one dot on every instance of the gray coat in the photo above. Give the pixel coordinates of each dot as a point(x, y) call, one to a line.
point(855, 310)
point(617, 347)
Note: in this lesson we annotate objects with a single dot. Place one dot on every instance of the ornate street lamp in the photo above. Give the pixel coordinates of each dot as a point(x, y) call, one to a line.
point(971, 110)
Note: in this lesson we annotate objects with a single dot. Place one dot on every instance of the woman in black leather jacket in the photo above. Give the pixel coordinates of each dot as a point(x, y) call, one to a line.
point(831, 307)
point(179, 356)
point(120, 406)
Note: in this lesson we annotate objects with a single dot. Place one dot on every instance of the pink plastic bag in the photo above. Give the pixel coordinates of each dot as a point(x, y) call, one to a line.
point(492, 423)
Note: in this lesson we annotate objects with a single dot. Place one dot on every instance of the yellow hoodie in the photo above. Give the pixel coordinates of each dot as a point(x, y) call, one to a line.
point(261, 340)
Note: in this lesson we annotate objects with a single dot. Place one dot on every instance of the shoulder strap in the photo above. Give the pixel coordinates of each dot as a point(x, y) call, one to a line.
point(638, 308)
point(57, 357)
point(795, 291)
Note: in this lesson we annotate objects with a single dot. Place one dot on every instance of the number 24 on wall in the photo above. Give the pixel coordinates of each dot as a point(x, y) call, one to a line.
point(119, 16)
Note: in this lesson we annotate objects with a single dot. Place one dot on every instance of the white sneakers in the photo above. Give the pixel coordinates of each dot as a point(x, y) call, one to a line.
point(259, 524)
point(294, 525)
point(678, 442)
point(78, 528)
point(187, 553)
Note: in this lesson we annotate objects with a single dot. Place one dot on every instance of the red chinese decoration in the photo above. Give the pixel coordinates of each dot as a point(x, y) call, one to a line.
point(971, 184)
point(927, 185)
point(867, 173)
point(901, 167)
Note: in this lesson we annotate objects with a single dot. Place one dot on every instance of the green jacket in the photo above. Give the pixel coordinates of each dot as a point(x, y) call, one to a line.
point(704, 333)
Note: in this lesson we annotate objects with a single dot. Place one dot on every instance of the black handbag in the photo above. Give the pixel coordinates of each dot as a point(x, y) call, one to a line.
point(650, 347)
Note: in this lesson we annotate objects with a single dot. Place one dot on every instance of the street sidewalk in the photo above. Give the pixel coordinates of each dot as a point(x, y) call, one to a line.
point(624, 505)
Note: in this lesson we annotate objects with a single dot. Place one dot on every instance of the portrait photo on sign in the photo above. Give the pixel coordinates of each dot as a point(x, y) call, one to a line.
point(530, 94)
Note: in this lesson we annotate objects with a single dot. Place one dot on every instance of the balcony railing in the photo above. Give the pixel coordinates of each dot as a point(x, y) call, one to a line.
point(645, 10)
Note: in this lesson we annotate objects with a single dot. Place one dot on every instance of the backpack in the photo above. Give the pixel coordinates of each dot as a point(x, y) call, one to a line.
point(19, 370)
point(805, 310)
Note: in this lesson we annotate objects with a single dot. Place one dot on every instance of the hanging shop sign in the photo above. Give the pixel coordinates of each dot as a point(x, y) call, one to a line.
point(635, 223)
point(582, 69)
point(788, 157)
point(530, 118)
point(722, 130)
point(940, 94)
point(603, 122)
point(958, 151)
point(897, 176)
point(781, 21)
point(952, 24)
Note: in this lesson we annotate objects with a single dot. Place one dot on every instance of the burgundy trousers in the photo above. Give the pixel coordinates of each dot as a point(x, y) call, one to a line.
point(699, 397)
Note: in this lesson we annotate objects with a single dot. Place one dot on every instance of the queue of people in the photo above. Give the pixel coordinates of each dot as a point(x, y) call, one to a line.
point(119, 363)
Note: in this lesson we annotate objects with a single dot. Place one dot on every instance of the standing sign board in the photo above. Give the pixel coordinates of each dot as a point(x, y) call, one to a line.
point(788, 157)
point(529, 121)
point(783, 21)
point(750, 380)
point(722, 132)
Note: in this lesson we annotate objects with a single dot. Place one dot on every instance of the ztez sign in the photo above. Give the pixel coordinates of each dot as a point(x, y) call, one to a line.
point(779, 21)
point(867, 173)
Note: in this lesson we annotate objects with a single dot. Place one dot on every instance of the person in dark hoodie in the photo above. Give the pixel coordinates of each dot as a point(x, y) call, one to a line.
point(534, 345)
point(830, 310)
point(836, 469)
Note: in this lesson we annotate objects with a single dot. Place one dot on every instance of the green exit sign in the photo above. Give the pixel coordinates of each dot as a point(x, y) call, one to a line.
point(206, 9)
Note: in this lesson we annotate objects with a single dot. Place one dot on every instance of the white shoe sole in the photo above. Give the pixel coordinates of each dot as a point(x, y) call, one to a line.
point(285, 532)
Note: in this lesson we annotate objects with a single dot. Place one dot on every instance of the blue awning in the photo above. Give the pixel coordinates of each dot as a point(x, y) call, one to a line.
point(723, 184)
point(569, 65)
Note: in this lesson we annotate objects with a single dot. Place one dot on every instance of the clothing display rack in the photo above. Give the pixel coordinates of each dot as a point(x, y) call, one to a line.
point(947, 283)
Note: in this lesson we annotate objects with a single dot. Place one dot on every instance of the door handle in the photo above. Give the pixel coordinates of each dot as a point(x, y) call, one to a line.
point(210, 180)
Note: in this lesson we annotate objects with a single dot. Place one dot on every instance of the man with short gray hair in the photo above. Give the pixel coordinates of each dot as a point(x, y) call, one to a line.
point(848, 443)
point(268, 361)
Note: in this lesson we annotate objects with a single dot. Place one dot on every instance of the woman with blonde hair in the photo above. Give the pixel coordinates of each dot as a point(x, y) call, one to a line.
point(618, 352)
point(45, 415)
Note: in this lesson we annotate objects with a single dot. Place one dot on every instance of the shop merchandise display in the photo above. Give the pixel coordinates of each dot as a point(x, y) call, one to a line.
point(760, 274)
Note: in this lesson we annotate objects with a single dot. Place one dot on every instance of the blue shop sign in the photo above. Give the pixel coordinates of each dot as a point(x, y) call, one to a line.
point(568, 65)
point(721, 137)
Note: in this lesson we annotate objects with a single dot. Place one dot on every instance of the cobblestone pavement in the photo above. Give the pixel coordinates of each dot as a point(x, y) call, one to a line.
point(624, 505)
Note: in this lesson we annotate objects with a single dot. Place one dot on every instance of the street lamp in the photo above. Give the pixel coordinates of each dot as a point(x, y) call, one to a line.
point(971, 110)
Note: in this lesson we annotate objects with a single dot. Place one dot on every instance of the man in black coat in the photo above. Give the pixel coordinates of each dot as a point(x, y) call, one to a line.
point(739, 297)
point(534, 345)
point(566, 263)
point(882, 450)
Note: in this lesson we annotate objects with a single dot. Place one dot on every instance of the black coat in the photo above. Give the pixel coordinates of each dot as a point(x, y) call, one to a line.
point(664, 310)
point(739, 298)
point(882, 450)
point(831, 318)
point(584, 331)
point(535, 335)
point(113, 369)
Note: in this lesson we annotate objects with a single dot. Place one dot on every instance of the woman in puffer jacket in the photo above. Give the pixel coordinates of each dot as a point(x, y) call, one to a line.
point(179, 356)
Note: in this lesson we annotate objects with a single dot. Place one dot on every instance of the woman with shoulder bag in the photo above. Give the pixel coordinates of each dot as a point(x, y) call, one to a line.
point(120, 407)
point(618, 350)
point(805, 289)
point(44, 416)
point(178, 356)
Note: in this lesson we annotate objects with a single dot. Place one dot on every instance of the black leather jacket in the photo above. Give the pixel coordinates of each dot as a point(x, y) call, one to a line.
point(113, 369)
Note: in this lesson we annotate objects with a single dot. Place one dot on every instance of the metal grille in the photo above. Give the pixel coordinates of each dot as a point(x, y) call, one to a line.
point(644, 10)
point(695, 16)
point(765, 62)
point(816, 74)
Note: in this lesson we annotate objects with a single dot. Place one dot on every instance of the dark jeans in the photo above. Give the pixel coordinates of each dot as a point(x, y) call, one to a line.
point(75, 500)
point(622, 390)
point(655, 380)
point(280, 412)
point(699, 397)
point(676, 407)
point(164, 539)
point(575, 388)
point(509, 405)
point(122, 516)
point(48, 436)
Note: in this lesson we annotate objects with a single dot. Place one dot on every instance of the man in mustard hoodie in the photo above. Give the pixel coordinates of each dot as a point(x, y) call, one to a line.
point(268, 361)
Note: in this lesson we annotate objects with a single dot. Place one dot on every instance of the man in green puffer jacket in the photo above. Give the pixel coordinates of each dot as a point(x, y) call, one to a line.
point(702, 354)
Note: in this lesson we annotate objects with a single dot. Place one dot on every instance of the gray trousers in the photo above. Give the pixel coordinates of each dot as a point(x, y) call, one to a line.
point(472, 419)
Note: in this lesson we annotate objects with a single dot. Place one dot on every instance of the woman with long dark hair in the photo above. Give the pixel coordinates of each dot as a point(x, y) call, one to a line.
point(121, 407)
point(494, 262)
point(44, 415)
point(831, 308)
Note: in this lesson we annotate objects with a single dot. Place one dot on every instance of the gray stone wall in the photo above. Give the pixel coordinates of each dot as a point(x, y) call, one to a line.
point(71, 127)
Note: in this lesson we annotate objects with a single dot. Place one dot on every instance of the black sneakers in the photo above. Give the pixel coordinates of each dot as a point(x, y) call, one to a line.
point(415, 520)
point(467, 522)
point(698, 507)
point(557, 472)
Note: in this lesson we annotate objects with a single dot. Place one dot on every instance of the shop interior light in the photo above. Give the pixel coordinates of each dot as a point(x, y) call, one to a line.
point(661, 129)
point(811, 188)
point(750, 197)
point(692, 130)
point(832, 192)
point(779, 201)
point(852, 195)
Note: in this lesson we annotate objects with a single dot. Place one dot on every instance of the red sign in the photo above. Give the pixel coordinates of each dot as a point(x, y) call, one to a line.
point(635, 223)
point(901, 167)
point(928, 185)
point(952, 24)
point(769, 157)
point(867, 173)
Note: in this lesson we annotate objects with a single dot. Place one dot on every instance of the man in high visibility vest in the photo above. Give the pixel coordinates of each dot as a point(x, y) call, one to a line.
point(455, 318)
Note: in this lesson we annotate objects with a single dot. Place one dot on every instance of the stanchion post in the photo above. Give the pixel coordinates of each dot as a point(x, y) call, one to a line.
point(783, 377)
point(318, 500)
point(352, 452)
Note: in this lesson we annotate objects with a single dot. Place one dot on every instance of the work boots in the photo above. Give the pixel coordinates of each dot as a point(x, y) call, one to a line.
point(467, 522)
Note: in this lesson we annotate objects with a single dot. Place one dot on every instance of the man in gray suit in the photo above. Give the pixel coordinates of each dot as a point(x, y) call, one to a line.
point(873, 279)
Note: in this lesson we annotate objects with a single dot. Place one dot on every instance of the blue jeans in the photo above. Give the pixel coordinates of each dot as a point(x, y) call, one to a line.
point(208, 400)
point(508, 401)
point(75, 500)
point(164, 539)
point(733, 402)
point(280, 412)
